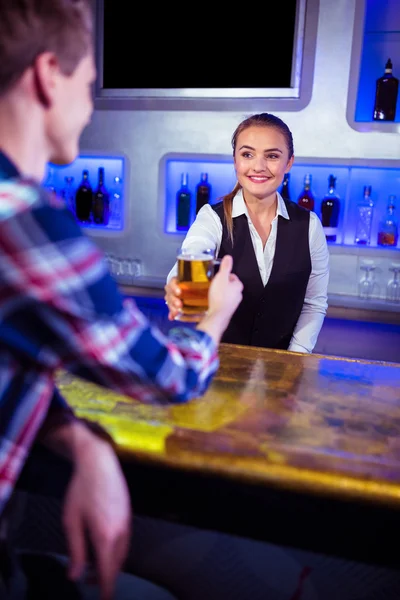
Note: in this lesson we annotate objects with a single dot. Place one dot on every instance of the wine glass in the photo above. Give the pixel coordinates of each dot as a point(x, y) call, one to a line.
point(126, 270)
point(136, 266)
point(114, 265)
point(393, 286)
point(367, 285)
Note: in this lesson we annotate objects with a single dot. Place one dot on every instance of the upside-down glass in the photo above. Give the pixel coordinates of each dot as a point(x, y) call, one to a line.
point(393, 286)
point(367, 285)
point(195, 272)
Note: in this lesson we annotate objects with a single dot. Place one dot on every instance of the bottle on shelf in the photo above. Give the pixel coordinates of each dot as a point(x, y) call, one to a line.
point(330, 209)
point(285, 188)
point(101, 201)
point(69, 195)
point(203, 192)
point(386, 91)
point(306, 198)
point(50, 186)
point(388, 229)
point(183, 204)
point(49, 183)
point(116, 202)
point(84, 199)
point(365, 210)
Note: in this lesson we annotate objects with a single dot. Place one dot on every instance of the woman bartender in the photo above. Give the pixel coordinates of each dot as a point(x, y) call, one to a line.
point(279, 249)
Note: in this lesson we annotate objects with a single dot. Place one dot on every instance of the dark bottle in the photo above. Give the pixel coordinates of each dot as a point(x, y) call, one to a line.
point(306, 198)
point(388, 230)
point(387, 88)
point(285, 190)
point(203, 192)
point(101, 201)
point(330, 208)
point(84, 199)
point(183, 204)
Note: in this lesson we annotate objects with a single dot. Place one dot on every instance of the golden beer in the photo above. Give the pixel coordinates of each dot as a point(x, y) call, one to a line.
point(195, 272)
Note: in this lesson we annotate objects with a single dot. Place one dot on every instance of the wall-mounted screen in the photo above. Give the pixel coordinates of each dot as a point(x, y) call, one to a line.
point(173, 53)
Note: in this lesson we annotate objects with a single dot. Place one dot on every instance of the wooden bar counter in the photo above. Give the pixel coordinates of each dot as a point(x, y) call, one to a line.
point(295, 449)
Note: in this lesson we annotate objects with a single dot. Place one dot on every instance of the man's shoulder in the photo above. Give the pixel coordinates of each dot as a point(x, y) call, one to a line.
point(19, 195)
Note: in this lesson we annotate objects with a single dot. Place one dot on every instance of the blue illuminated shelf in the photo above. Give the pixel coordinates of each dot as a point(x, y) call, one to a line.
point(352, 175)
point(221, 175)
point(376, 38)
point(114, 166)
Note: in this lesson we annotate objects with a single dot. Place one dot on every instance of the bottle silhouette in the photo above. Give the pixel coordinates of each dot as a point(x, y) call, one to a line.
point(203, 192)
point(285, 189)
point(183, 204)
point(387, 88)
point(330, 208)
point(306, 198)
point(84, 199)
point(101, 201)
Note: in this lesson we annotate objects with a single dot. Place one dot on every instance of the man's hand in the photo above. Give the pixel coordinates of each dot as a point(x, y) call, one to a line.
point(224, 297)
point(225, 292)
point(97, 503)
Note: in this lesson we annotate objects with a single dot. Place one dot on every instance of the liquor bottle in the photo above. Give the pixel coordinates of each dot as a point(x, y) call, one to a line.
point(285, 189)
point(69, 196)
point(183, 204)
point(49, 185)
point(330, 208)
point(306, 198)
point(387, 88)
point(116, 202)
point(203, 192)
point(365, 209)
point(388, 230)
point(84, 199)
point(101, 201)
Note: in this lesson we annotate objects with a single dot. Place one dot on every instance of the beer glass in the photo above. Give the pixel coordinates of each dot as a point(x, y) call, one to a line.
point(195, 272)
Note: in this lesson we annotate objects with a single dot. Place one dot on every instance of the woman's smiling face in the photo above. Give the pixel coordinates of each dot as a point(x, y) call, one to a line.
point(261, 159)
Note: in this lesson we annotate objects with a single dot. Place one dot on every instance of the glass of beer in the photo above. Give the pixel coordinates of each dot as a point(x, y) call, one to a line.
point(195, 272)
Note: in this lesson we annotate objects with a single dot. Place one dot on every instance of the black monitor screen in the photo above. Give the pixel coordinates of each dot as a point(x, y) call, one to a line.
point(155, 46)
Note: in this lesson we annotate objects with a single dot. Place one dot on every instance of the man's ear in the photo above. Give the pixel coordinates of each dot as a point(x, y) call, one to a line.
point(46, 70)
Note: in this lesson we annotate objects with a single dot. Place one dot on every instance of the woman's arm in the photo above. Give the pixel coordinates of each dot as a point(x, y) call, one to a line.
point(312, 316)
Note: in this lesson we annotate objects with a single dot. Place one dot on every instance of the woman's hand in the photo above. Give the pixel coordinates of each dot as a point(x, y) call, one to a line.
point(172, 298)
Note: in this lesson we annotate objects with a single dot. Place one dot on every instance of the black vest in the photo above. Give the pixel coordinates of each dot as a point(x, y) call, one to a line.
point(268, 314)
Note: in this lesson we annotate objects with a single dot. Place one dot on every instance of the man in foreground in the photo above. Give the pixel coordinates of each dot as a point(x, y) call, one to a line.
point(59, 307)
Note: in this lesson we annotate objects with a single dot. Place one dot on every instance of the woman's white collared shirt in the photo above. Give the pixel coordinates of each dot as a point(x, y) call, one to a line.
point(206, 232)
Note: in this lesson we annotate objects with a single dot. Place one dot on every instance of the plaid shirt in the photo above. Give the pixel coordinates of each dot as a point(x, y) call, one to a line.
point(60, 308)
